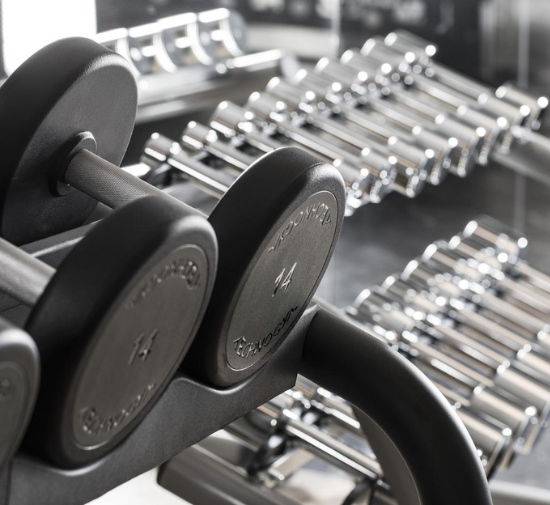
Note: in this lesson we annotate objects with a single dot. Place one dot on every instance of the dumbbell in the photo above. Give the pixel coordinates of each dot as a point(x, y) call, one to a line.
point(471, 307)
point(19, 378)
point(380, 170)
point(530, 298)
point(185, 40)
point(524, 296)
point(475, 133)
point(269, 268)
point(335, 452)
point(493, 437)
point(495, 354)
point(411, 163)
point(227, 30)
point(364, 89)
point(501, 404)
point(374, 117)
point(201, 138)
point(364, 181)
point(508, 247)
point(480, 280)
point(178, 41)
point(377, 51)
point(499, 375)
point(421, 51)
point(113, 323)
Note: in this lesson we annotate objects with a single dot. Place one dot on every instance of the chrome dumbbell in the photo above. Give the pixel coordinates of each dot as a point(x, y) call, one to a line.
point(485, 284)
point(163, 46)
point(495, 354)
point(522, 295)
point(421, 52)
point(507, 247)
point(477, 306)
point(492, 370)
point(232, 120)
point(497, 443)
point(507, 393)
point(201, 138)
point(440, 93)
point(380, 169)
point(372, 115)
point(411, 163)
point(466, 315)
point(227, 33)
point(490, 436)
point(476, 139)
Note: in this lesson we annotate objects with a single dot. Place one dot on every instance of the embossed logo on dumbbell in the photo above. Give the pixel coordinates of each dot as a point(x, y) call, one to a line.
point(320, 212)
point(182, 268)
point(246, 349)
point(95, 424)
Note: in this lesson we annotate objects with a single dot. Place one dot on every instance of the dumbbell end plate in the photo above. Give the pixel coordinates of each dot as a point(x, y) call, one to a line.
point(277, 227)
point(71, 86)
point(115, 322)
point(19, 372)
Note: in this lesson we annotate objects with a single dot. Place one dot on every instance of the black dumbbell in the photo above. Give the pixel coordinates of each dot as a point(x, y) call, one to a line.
point(112, 324)
point(19, 375)
point(115, 321)
point(271, 264)
point(68, 114)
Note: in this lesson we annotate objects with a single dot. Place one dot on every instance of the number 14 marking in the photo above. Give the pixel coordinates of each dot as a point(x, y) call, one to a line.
point(283, 281)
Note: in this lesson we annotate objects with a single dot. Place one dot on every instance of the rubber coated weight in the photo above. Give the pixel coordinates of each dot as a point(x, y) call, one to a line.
point(19, 374)
point(277, 227)
point(68, 87)
point(114, 323)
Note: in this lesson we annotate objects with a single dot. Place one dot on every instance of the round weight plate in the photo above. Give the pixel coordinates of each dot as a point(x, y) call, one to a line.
point(19, 369)
point(115, 322)
point(277, 227)
point(71, 86)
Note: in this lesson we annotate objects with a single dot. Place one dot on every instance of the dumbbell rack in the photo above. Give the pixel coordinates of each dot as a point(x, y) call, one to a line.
point(182, 388)
point(304, 424)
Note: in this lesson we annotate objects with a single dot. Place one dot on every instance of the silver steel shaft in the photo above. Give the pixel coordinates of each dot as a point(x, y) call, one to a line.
point(22, 276)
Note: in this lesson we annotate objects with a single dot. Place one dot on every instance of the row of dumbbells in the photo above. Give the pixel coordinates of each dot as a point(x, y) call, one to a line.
point(473, 316)
point(170, 44)
point(386, 116)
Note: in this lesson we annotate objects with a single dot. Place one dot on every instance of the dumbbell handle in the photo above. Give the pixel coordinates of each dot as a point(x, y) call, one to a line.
point(21, 275)
point(24, 277)
point(163, 150)
point(528, 156)
point(104, 181)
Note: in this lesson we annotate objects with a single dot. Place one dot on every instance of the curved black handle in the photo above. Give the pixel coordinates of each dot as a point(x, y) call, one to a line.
point(440, 454)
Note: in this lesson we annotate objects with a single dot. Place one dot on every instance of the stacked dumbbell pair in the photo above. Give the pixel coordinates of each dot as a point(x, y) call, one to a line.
point(169, 44)
point(386, 116)
point(114, 322)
